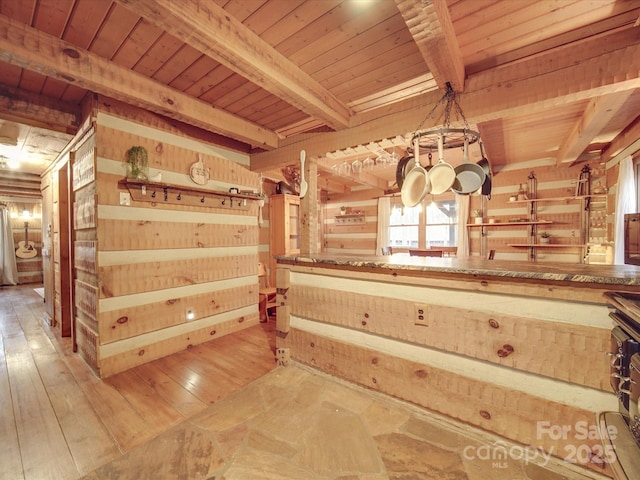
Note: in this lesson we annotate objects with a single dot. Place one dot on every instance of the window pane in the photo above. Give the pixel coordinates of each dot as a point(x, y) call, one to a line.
point(403, 226)
point(404, 236)
point(404, 215)
point(441, 224)
point(442, 220)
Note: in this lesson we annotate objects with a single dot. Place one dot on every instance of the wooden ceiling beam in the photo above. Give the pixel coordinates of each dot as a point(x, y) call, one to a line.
point(430, 25)
point(37, 51)
point(626, 143)
point(597, 114)
point(38, 111)
point(513, 94)
point(208, 28)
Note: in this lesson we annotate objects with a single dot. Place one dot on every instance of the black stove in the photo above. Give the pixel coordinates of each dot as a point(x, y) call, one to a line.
point(624, 360)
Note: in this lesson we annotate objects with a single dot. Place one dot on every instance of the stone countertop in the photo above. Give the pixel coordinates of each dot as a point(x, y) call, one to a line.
point(627, 275)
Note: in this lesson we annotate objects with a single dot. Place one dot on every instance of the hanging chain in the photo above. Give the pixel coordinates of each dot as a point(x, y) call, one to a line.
point(451, 99)
point(446, 97)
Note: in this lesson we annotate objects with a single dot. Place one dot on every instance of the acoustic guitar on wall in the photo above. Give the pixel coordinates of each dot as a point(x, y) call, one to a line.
point(26, 249)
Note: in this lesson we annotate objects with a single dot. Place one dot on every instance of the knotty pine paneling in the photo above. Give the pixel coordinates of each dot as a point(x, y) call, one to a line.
point(362, 326)
point(124, 234)
point(171, 154)
point(131, 321)
point(131, 278)
point(510, 413)
point(357, 239)
point(148, 348)
point(577, 350)
point(87, 340)
point(154, 262)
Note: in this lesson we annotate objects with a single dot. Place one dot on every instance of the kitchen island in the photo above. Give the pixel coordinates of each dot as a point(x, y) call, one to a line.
point(516, 349)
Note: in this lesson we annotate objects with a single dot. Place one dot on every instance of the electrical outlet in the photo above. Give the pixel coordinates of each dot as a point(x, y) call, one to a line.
point(420, 314)
point(283, 356)
point(125, 198)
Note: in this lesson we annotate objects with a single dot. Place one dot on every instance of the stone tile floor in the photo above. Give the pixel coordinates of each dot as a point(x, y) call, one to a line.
point(298, 424)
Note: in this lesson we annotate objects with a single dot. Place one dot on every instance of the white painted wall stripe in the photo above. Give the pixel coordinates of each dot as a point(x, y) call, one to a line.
point(127, 126)
point(126, 257)
point(542, 309)
point(350, 235)
point(350, 251)
point(137, 299)
point(536, 385)
point(116, 212)
point(121, 346)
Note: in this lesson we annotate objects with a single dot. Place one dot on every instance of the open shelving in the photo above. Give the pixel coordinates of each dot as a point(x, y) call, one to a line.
point(144, 191)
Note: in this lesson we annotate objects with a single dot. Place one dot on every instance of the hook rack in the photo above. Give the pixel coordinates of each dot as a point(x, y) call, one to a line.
point(184, 195)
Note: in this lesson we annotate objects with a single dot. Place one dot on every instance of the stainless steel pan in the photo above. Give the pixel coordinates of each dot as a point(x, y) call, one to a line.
point(469, 176)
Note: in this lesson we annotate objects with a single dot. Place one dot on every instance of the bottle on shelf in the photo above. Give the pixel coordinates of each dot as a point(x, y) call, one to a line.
point(522, 194)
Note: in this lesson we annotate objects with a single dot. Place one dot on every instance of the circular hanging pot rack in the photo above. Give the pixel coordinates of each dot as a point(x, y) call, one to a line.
point(451, 138)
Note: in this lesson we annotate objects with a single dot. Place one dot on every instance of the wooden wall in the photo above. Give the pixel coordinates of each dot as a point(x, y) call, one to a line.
point(490, 352)
point(567, 230)
point(349, 238)
point(155, 277)
point(29, 269)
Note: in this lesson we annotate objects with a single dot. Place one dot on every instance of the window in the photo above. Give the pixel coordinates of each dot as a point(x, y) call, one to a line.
point(430, 224)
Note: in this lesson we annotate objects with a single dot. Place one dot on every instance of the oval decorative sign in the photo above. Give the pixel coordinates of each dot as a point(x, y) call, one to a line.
point(199, 173)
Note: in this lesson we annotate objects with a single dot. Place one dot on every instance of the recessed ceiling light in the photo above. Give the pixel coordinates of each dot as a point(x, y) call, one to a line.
point(12, 163)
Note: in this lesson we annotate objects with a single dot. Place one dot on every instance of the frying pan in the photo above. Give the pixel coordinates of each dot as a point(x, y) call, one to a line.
point(469, 176)
point(442, 175)
point(405, 165)
point(486, 186)
point(415, 187)
point(416, 184)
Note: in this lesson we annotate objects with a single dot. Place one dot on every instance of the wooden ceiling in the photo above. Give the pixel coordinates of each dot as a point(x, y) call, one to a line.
point(554, 81)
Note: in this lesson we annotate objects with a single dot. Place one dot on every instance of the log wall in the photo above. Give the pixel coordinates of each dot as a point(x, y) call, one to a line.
point(568, 229)
point(29, 269)
point(501, 356)
point(155, 277)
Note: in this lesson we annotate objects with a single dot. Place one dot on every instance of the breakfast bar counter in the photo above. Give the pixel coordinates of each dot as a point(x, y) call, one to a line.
point(516, 349)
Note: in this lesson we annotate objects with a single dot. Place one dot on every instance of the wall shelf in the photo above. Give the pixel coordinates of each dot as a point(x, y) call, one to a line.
point(142, 191)
point(350, 219)
point(503, 224)
point(560, 199)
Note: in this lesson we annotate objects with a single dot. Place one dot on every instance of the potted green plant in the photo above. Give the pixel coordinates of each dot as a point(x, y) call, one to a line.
point(544, 237)
point(138, 163)
point(477, 215)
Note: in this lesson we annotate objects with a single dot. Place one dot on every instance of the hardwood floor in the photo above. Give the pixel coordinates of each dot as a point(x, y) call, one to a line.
point(59, 421)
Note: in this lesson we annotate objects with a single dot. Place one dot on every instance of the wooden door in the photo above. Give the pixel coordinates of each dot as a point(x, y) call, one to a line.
point(64, 290)
point(47, 249)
